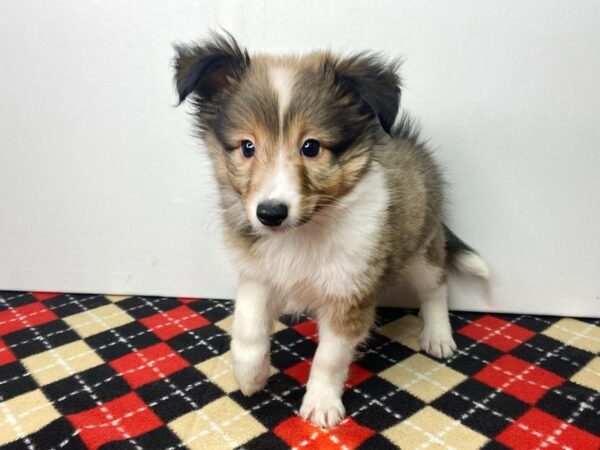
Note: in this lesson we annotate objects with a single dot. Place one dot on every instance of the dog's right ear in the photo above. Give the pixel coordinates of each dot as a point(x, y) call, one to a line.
point(208, 69)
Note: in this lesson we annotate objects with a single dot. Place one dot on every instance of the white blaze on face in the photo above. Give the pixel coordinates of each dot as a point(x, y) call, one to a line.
point(282, 81)
point(281, 184)
point(282, 187)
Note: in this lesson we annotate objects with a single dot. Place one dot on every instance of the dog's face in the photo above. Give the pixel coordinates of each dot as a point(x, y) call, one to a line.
point(288, 136)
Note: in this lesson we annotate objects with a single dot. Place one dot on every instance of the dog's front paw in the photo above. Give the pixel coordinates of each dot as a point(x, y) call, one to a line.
point(437, 342)
point(322, 409)
point(251, 374)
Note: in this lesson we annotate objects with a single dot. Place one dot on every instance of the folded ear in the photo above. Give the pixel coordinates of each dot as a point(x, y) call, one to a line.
point(372, 81)
point(208, 69)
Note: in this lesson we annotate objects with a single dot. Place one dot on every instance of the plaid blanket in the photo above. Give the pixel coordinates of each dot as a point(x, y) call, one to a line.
point(101, 371)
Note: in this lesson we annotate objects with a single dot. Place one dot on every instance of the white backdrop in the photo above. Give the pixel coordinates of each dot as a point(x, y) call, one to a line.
point(103, 188)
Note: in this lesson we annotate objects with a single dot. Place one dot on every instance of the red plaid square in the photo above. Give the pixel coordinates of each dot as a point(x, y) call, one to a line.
point(308, 329)
point(122, 418)
point(301, 371)
point(518, 378)
point(149, 364)
point(536, 429)
point(173, 322)
point(497, 333)
point(41, 296)
point(298, 433)
point(186, 300)
point(6, 356)
point(30, 315)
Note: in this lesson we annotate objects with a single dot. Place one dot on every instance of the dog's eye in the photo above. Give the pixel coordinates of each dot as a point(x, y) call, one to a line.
point(310, 148)
point(248, 149)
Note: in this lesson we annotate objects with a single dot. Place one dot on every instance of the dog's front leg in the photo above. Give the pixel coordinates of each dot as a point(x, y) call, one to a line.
point(250, 343)
point(339, 335)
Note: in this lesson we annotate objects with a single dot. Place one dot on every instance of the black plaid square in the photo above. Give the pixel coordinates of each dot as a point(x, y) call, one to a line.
point(472, 355)
point(65, 305)
point(280, 400)
point(15, 380)
point(288, 347)
point(480, 407)
point(116, 342)
point(201, 344)
point(140, 307)
point(145, 372)
point(212, 310)
point(378, 404)
point(553, 355)
point(180, 393)
point(84, 390)
point(574, 403)
point(32, 340)
point(14, 299)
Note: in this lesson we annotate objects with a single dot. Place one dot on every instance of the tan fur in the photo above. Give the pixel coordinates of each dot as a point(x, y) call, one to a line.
point(365, 167)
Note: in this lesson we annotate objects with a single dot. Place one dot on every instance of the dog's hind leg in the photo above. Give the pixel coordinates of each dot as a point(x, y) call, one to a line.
point(427, 274)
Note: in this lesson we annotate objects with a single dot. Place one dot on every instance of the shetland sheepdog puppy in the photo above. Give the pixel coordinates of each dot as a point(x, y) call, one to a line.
point(327, 199)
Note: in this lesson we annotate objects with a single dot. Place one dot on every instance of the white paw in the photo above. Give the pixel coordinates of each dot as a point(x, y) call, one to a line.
point(437, 342)
point(322, 409)
point(251, 374)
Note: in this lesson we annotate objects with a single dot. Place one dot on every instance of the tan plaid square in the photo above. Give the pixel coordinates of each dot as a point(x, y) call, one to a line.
point(576, 333)
point(220, 424)
point(61, 362)
point(589, 376)
point(24, 415)
point(405, 331)
point(430, 428)
point(423, 377)
point(88, 323)
point(219, 371)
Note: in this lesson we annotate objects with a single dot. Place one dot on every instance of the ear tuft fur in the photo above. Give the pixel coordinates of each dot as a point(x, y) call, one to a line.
point(369, 79)
point(207, 68)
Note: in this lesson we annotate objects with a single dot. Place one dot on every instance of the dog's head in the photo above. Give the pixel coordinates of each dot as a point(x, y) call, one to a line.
point(288, 136)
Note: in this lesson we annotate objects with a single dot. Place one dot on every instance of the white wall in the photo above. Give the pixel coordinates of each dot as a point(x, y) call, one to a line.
point(102, 187)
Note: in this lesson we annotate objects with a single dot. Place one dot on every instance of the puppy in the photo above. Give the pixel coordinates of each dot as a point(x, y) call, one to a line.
point(326, 203)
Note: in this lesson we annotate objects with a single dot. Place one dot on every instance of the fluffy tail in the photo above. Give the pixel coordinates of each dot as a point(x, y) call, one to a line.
point(462, 258)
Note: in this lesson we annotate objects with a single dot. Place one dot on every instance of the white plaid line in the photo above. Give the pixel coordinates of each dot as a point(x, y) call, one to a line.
point(77, 302)
point(43, 311)
point(574, 415)
point(69, 369)
point(305, 442)
point(465, 352)
point(477, 404)
point(272, 395)
point(323, 432)
point(539, 349)
point(12, 421)
point(8, 299)
point(69, 328)
point(151, 405)
point(495, 393)
point(94, 396)
point(568, 330)
point(452, 391)
point(241, 415)
point(117, 375)
point(213, 425)
point(102, 347)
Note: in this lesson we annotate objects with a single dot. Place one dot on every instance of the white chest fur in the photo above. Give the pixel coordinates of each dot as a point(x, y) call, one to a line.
point(323, 257)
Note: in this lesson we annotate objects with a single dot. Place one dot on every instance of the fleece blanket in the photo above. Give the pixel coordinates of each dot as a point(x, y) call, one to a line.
point(108, 372)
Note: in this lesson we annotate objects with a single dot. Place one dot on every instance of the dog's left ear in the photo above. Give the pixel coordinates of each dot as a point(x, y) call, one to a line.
point(372, 81)
point(208, 69)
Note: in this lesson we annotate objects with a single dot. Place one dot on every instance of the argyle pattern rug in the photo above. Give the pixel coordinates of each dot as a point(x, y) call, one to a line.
point(100, 371)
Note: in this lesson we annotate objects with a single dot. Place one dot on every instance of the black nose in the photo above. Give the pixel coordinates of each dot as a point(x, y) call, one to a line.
point(271, 213)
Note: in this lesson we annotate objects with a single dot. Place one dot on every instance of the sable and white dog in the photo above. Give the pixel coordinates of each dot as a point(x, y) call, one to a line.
point(326, 203)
